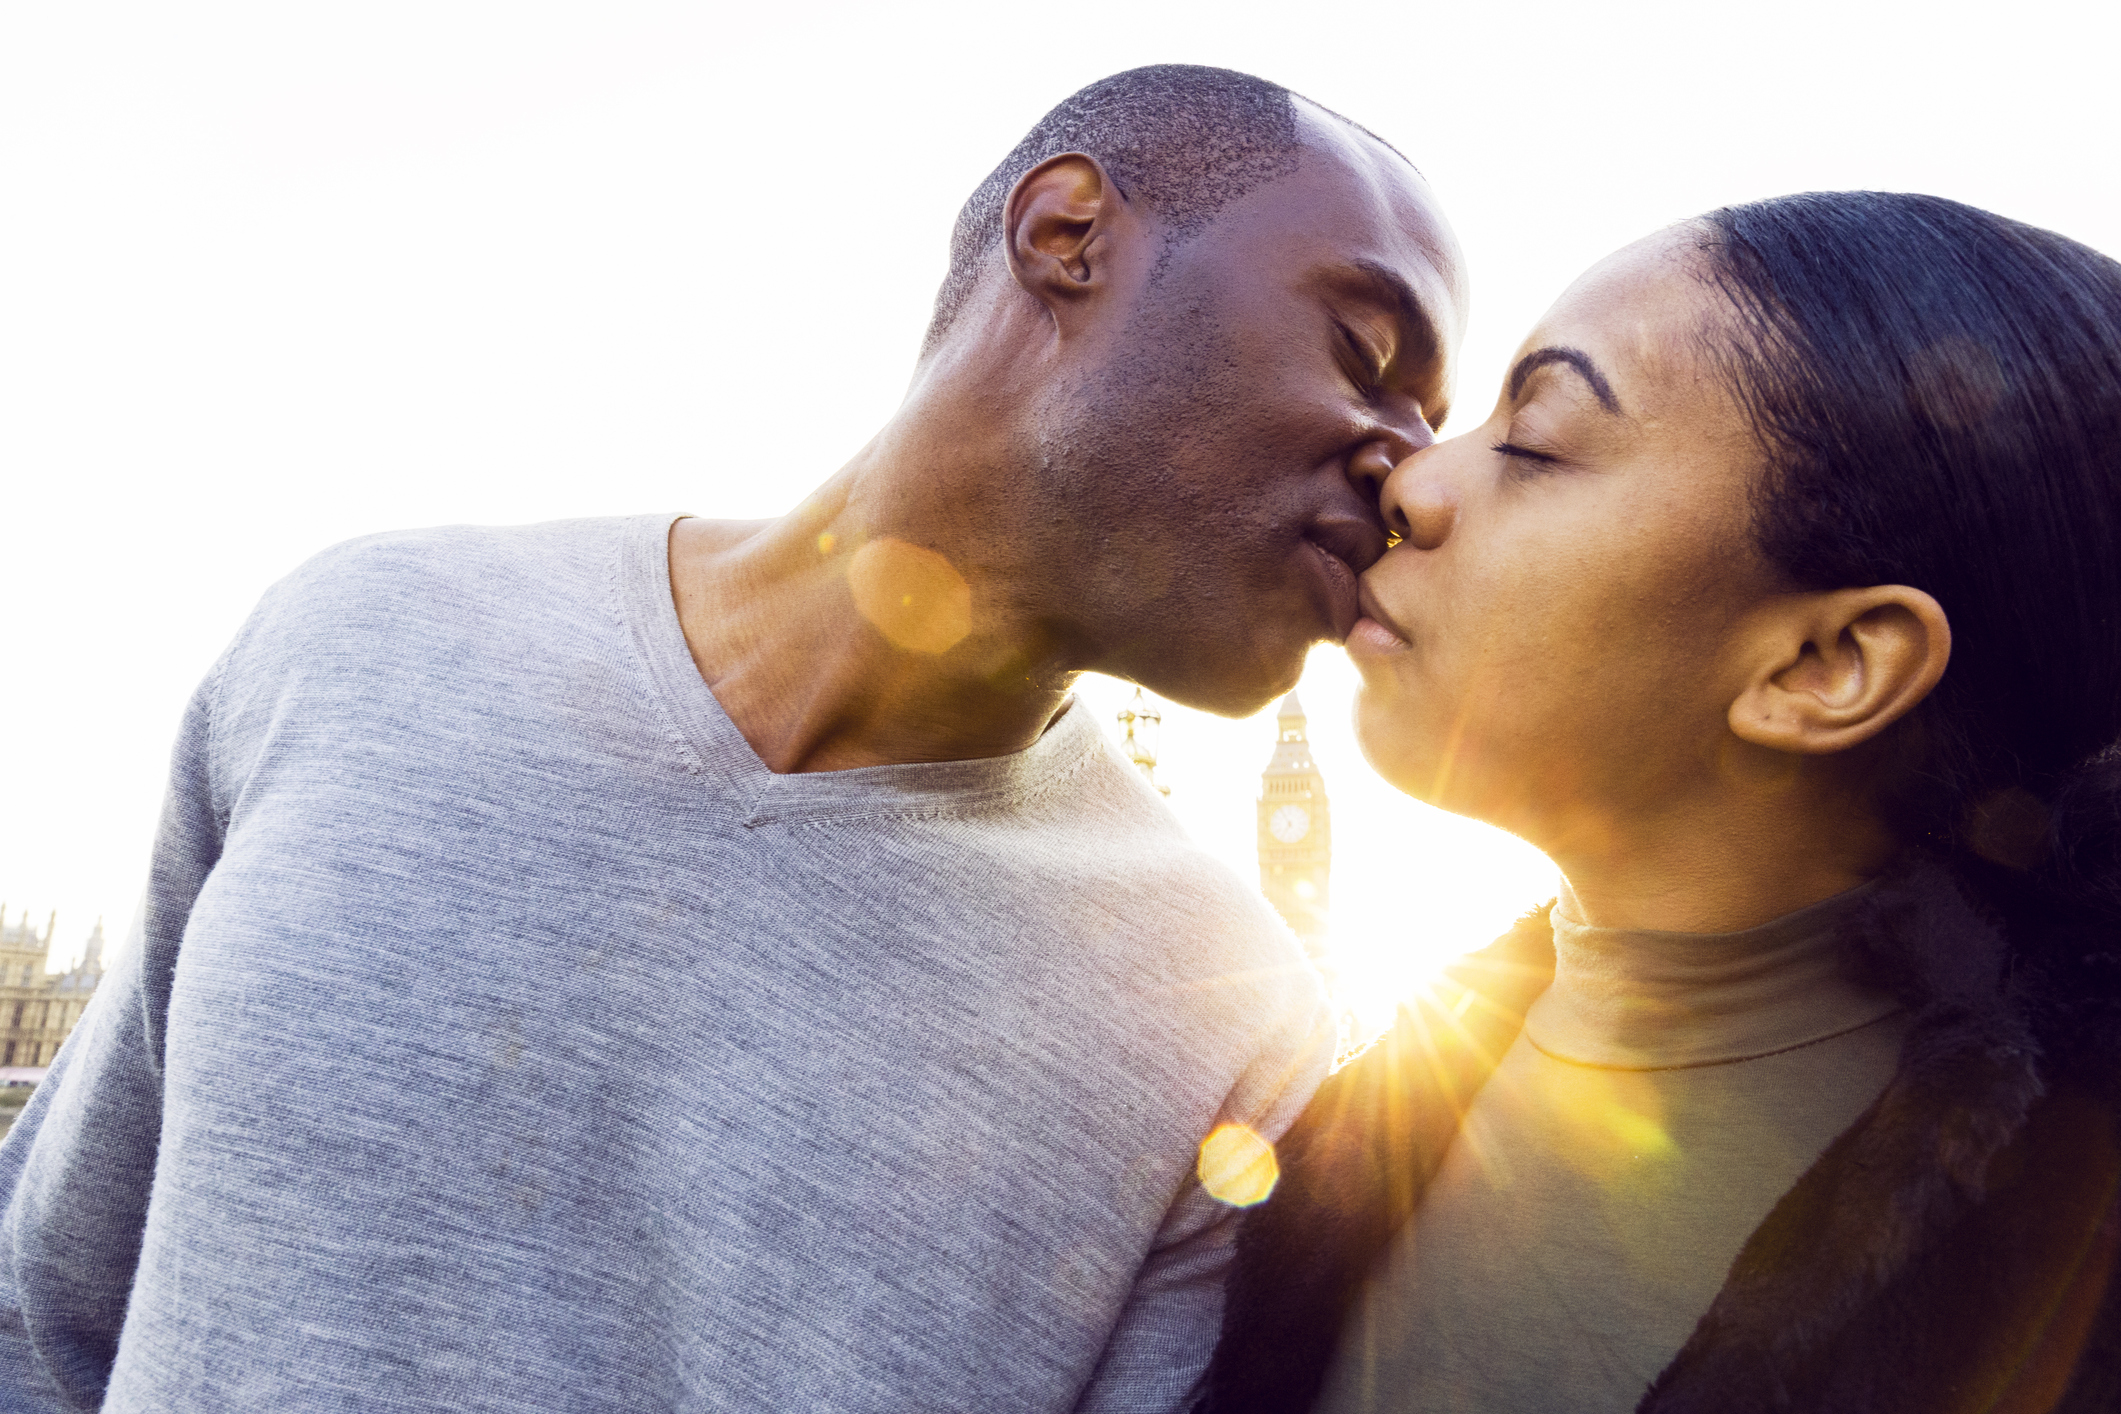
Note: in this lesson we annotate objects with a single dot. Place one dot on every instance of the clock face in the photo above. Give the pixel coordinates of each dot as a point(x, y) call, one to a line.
point(1290, 823)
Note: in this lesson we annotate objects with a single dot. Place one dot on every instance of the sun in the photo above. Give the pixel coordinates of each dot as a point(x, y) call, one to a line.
point(1411, 887)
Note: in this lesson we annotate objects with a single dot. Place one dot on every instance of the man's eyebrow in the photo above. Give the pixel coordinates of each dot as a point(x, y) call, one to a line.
point(1574, 358)
point(1420, 330)
point(1423, 340)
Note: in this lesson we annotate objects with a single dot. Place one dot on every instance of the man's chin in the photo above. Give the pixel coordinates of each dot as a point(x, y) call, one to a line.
point(1226, 695)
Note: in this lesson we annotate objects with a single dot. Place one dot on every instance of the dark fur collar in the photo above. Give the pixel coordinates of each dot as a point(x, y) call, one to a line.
point(1951, 1250)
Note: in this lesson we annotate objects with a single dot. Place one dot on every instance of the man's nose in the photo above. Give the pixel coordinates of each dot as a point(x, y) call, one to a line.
point(1419, 503)
point(1374, 460)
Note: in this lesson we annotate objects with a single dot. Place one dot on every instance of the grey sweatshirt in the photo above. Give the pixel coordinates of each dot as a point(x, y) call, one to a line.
point(502, 1035)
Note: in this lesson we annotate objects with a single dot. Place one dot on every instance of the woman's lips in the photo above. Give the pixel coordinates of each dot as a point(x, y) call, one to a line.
point(1373, 632)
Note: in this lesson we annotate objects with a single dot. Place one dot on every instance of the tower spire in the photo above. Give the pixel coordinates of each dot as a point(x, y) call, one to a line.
point(1295, 830)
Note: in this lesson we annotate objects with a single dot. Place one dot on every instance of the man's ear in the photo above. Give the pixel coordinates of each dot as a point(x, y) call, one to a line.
point(1058, 229)
point(1832, 670)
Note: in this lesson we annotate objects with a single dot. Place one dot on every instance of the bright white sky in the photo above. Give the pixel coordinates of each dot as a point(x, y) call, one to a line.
point(275, 275)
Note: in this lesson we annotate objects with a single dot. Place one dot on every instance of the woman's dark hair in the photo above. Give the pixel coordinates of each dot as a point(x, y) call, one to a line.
point(1938, 394)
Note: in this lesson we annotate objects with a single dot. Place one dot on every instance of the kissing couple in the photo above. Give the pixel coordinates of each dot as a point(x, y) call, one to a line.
point(676, 964)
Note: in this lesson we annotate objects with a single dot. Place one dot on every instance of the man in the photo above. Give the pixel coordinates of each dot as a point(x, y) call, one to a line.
point(667, 964)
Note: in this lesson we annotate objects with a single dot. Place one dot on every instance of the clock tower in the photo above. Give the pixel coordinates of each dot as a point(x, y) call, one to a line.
point(1295, 830)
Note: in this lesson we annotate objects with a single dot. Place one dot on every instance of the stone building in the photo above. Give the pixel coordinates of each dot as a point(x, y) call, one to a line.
point(1295, 831)
point(39, 1007)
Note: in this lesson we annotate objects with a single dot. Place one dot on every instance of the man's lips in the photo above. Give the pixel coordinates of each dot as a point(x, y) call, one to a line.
point(1344, 548)
point(1336, 589)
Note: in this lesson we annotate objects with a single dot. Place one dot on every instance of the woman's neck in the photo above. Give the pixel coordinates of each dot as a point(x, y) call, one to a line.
point(1723, 870)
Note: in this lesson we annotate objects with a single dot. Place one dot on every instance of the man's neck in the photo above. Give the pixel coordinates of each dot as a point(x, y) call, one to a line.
point(774, 626)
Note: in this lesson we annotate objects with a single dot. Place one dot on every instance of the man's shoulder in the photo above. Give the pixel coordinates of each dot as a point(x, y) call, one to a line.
point(1207, 886)
point(1122, 826)
point(453, 576)
point(405, 604)
point(475, 558)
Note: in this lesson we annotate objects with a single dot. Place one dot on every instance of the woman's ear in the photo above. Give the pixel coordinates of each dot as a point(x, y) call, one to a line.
point(1832, 670)
point(1057, 229)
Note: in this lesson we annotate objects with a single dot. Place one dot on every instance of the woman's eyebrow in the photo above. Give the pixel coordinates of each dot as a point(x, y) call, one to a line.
point(1574, 358)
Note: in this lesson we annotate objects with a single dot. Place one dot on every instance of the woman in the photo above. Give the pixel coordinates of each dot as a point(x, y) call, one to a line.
point(1779, 601)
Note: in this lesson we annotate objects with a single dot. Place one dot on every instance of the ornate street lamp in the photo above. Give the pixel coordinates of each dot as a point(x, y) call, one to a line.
point(1140, 723)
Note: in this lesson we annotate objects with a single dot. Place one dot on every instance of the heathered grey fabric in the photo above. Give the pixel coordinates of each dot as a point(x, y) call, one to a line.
point(502, 1035)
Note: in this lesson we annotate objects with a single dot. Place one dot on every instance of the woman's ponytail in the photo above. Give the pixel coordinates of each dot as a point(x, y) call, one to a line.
point(2080, 868)
point(1937, 392)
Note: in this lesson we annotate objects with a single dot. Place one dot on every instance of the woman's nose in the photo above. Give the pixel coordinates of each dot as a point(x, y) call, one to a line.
point(1419, 504)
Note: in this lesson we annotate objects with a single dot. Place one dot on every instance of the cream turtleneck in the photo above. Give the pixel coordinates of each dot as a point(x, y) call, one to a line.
point(1665, 1092)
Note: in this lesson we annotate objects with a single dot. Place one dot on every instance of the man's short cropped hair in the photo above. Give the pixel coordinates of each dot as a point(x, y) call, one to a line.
point(1182, 139)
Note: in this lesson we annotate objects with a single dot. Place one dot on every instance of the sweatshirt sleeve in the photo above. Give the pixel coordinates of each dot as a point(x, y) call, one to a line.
point(1159, 1348)
point(77, 1168)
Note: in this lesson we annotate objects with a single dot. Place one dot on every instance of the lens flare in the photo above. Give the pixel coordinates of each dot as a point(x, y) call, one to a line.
point(914, 596)
point(1237, 1166)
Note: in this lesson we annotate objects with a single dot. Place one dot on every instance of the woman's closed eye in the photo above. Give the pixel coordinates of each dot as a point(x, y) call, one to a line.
point(1517, 453)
